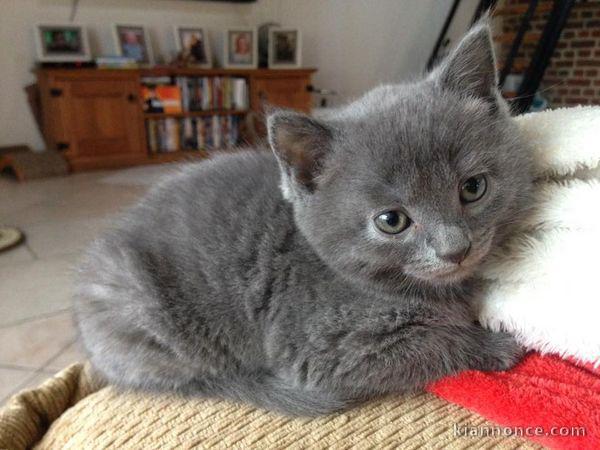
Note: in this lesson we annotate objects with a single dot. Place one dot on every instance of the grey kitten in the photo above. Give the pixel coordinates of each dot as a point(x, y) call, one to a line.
point(338, 269)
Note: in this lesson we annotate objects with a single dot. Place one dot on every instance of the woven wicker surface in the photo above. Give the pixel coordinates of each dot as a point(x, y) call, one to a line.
point(72, 411)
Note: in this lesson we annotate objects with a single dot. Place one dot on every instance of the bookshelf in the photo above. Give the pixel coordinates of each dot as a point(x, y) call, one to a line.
point(215, 112)
point(96, 117)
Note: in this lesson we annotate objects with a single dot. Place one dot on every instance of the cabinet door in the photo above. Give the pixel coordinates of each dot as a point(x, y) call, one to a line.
point(287, 92)
point(104, 118)
point(55, 114)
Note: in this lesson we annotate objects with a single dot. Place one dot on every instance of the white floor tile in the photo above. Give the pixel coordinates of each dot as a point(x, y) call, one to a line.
point(11, 379)
point(34, 343)
point(31, 289)
point(73, 354)
point(57, 238)
point(16, 255)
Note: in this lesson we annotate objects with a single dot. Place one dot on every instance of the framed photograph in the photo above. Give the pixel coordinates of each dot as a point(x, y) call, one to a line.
point(62, 43)
point(192, 43)
point(241, 48)
point(132, 41)
point(285, 48)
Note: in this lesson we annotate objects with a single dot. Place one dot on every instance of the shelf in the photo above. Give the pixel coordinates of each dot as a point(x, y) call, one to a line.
point(178, 155)
point(214, 112)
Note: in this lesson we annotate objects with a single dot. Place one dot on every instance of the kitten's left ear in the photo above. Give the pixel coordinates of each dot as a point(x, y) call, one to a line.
point(471, 66)
point(300, 143)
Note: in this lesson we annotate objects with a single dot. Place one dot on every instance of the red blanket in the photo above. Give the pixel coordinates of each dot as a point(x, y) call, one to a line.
point(546, 399)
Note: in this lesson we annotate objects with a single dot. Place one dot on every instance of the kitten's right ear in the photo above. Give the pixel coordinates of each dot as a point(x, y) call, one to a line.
point(471, 68)
point(300, 144)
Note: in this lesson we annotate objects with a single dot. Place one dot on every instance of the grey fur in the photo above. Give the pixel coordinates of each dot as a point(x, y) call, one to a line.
point(220, 284)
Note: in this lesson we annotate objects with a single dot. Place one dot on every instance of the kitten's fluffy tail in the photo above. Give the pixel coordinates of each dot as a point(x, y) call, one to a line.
point(272, 394)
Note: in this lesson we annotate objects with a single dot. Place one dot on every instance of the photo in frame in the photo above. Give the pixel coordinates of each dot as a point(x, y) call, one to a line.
point(132, 41)
point(193, 46)
point(285, 48)
point(241, 48)
point(62, 43)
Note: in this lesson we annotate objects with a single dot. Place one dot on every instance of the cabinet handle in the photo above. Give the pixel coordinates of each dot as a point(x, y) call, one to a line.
point(61, 146)
point(56, 92)
point(132, 98)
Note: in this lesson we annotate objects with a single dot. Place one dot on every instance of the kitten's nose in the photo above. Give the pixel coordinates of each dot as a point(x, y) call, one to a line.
point(456, 255)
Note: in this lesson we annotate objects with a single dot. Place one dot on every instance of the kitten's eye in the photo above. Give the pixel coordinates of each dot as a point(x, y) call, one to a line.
point(392, 222)
point(473, 189)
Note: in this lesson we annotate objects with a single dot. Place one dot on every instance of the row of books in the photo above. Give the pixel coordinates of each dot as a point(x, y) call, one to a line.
point(192, 133)
point(184, 94)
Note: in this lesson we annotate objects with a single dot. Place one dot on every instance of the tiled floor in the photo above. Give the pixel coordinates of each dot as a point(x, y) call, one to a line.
point(59, 216)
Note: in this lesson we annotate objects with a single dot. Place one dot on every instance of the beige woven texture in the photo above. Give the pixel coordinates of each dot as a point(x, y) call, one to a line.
point(72, 411)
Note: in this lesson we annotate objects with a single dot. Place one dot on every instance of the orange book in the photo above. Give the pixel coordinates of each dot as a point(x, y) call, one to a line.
point(170, 97)
point(162, 99)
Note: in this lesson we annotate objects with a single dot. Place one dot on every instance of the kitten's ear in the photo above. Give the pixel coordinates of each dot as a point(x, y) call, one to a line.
point(471, 66)
point(300, 144)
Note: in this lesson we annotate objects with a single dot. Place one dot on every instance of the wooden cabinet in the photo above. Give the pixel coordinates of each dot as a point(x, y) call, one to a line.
point(289, 91)
point(105, 121)
point(95, 117)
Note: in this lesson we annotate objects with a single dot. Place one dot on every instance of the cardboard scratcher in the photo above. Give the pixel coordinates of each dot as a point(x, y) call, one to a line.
point(28, 165)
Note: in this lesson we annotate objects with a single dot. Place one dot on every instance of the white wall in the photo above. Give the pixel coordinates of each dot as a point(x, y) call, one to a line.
point(355, 44)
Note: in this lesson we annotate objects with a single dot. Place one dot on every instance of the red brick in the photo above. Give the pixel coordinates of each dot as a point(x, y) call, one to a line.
point(584, 53)
point(576, 101)
point(588, 62)
point(582, 44)
point(579, 82)
point(578, 73)
point(588, 92)
point(591, 73)
point(564, 63)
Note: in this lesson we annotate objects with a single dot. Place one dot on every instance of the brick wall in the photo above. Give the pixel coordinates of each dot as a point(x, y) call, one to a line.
point(573, 75)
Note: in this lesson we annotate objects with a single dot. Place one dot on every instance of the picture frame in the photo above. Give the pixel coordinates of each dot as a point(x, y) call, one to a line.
point(240, 48)
point(193, 45)
point(59, 42)
point(285, 48)
point(133, 41)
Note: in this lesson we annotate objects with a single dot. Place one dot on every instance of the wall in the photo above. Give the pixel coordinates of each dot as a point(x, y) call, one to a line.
point(355, 44)
point(573, 75)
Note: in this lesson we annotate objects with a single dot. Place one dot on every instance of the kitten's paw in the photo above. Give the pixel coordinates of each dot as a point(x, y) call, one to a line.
point(501, 352)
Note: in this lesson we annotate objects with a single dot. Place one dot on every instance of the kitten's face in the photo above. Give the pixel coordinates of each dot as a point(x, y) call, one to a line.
point(412, 181)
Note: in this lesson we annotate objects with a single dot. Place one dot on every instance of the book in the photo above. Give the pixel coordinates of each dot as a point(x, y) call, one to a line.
point(170, 96)
point(192, 134)
point(205, 93)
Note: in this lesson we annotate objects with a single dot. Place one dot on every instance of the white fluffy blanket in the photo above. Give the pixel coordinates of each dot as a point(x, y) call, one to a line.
point(545, 284)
